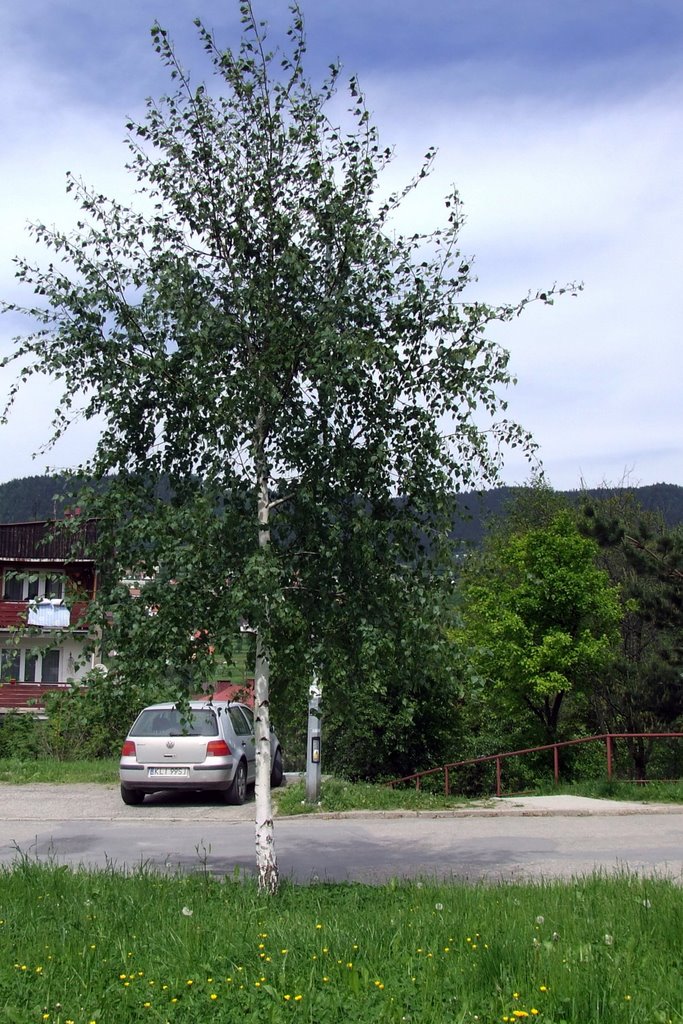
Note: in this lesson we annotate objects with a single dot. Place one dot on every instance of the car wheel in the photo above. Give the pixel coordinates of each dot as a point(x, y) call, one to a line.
point(132, 797)
point(237, 793)
point(276, 772)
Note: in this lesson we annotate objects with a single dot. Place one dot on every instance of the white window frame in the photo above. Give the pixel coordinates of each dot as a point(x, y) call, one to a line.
point(25, 654)
point(41, 582)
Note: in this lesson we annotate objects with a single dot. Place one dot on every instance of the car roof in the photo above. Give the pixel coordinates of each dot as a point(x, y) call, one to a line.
point(196, 705)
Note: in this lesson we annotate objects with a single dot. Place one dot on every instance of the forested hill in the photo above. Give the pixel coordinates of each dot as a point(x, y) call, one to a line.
point(44, 497)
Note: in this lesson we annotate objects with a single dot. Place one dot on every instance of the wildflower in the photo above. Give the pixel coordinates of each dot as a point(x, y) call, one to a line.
point(438, 906)
point(189, 981)
point(287, 998)
point(555, 937)
point(647, 904)
point(540, 919)
point(147, 1005)
point(297, 999)
point(534, 1011)
point(318, 926)
point(627, 998)
point(284, 951)
point(542, 988)
point(186, 912)
point(609, 940)
point(214, 996)
point(519, 1013)
point(325, 978)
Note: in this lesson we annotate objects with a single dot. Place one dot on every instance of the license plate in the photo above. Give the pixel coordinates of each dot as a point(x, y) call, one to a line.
point(178, 773)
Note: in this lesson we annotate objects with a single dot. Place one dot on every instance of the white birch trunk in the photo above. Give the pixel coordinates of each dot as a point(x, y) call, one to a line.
point(266, 861)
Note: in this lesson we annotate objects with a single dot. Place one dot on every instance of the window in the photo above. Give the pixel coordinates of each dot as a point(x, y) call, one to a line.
point(31, 668)
point(50, 667)
point(24, 587)
point(26, 666)
point(14, 588)
point(239, 722)
point(10, 665)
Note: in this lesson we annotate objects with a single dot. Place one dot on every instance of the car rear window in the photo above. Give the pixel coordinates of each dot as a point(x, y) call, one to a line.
point(174, 723)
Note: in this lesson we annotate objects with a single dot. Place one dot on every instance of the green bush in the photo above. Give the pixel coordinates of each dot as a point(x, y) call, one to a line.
point(22, 736)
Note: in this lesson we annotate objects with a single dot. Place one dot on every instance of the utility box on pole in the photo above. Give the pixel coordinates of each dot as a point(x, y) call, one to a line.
point(313, 744)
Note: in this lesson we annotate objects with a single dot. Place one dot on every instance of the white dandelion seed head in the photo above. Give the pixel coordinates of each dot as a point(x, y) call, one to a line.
point(186, 912)
point(438, 906)
point(609, 940)
point(540, 919)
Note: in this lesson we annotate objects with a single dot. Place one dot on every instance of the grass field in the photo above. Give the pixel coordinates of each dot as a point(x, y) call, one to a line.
point(78, 948)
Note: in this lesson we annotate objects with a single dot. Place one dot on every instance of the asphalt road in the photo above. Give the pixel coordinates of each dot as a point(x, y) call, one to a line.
point(507, 839)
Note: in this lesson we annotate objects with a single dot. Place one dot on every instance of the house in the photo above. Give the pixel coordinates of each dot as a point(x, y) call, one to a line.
point(46, 581)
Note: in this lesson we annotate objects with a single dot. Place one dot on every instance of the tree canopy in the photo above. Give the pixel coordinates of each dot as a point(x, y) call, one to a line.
point(256, 331)
point(540, 617)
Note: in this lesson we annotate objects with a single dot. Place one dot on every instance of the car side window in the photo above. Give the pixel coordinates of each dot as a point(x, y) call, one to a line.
point(249, 715)
point(239, 722)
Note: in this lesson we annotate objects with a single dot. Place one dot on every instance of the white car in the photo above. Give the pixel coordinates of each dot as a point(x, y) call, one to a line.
point(212, 748)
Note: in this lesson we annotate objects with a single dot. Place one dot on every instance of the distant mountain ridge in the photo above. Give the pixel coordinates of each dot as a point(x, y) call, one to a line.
point(46, 497)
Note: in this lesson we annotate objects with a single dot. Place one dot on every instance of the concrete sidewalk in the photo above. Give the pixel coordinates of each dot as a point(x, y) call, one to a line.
point(43, 802)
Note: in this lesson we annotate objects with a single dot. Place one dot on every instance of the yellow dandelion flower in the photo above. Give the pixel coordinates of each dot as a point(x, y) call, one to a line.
point(213, 996)
point(534, 1011)
point(318, 926)
point(297, 999)
point(287, 997)
point(325, 979)
point(147, 1004)
point(542, 988)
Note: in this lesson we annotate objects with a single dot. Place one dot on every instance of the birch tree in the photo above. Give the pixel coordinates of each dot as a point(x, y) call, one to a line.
point(254, 331)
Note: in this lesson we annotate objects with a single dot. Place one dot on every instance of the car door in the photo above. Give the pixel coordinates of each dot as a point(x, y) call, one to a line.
point(243, 725)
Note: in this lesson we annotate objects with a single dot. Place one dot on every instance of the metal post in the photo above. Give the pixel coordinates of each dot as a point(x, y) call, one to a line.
point(498, 789)
point(313, 743)
point(608, 742)
point(556, 763)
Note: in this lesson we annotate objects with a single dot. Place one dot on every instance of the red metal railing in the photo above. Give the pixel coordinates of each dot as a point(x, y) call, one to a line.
point(607, 738)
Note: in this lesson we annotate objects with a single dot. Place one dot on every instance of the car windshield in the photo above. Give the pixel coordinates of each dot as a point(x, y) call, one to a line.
point(173, 722)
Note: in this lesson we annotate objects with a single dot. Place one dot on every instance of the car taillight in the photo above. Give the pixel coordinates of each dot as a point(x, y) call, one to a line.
point(128, 749)
point(217, 748)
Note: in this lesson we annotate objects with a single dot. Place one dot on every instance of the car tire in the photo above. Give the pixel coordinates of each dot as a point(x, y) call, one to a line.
point(132, 797)
point(277, 772)
point(237, 793)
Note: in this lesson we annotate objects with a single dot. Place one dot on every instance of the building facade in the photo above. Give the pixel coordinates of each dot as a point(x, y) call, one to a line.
point(46, 582)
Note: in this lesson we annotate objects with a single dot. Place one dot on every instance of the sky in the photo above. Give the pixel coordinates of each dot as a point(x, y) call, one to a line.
point(560, 124)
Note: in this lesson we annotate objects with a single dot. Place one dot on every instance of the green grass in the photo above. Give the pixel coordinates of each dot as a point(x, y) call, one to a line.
point(604, 789)
point(337, 795)
point(20, 771)
point(100, 947)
